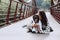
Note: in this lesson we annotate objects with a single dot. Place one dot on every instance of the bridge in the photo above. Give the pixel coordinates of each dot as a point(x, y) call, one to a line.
point(23, 10)
point(12, 19)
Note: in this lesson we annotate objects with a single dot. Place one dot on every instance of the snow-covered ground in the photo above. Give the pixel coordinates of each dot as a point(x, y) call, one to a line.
point(16, 32)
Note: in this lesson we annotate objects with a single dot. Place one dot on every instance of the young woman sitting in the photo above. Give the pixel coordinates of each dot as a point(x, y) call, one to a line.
point(35, 26)
point(44, 21)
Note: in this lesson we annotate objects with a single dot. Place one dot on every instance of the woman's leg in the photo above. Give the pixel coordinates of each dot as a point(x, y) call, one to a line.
point(34, 30)
point(38, 29)
point(51, 30)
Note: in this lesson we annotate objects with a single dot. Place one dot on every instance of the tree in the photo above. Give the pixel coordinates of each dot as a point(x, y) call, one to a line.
point(0, 1)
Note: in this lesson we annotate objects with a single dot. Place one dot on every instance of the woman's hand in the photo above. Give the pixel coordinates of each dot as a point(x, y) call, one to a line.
point(35, 25)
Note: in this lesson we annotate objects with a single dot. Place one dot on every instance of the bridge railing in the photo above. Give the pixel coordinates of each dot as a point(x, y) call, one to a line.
point(14, 11)
point(55, 11)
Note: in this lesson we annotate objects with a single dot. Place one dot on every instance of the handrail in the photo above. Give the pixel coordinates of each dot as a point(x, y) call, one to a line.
point(24, 4)
point(9, 16)
point(55, 5)
point(55, 11)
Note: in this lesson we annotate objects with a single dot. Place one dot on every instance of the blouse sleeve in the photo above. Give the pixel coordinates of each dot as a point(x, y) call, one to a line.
point(40, 25)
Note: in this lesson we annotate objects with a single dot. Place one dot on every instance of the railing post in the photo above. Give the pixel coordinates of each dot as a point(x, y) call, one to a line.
point(27, 12)
point(59, 3)
point(8, 13)
point(24, 11)
point(20, 10)
point(34, 8)
point(58, 0)
point(15, 12)
point(51, 11)
point(52, 3)
point(34, 3)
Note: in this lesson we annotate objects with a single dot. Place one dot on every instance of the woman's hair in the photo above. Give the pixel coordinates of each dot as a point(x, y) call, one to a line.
point(43, 18)
point(36, 17)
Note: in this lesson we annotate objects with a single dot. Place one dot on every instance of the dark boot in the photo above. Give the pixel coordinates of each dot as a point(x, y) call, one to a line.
point(38, 32)
point(33, 32)
point(29, 30)
point(51, 30)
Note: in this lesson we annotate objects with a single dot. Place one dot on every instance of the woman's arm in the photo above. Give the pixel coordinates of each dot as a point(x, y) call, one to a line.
point(35, 25)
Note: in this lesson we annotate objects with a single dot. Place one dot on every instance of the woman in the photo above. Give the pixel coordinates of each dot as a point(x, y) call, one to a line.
point(35, 25)
point(44, 21)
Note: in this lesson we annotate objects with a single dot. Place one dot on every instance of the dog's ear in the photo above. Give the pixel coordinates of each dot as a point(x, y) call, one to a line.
point(32, 22)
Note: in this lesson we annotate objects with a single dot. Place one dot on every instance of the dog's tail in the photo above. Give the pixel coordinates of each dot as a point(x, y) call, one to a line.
point(24, 26)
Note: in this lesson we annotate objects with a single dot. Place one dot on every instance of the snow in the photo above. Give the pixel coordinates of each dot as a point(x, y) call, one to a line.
point(16, 32)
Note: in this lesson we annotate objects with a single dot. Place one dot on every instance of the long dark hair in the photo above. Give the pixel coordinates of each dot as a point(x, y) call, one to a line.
point(36, 17)
point(43, 18)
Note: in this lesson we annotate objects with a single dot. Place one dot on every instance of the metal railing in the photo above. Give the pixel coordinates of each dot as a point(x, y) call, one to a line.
point(55, 11)
point(14, 12)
